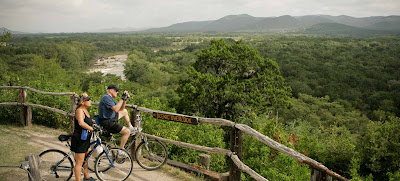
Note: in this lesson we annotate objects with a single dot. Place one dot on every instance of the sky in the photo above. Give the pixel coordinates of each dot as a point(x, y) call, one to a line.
point(56, 16)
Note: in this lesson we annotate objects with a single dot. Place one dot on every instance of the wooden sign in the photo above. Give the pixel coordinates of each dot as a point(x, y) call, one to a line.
point(176, 118)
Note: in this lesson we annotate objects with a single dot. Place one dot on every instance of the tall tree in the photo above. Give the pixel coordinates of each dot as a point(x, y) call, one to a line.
point(228, 81)
point(6, 36)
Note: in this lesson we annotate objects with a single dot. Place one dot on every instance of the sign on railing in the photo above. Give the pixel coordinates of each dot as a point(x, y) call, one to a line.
point(176, 118)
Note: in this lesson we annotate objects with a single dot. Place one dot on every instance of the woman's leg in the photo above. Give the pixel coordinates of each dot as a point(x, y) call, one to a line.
point(85, 167)
point(78, 165)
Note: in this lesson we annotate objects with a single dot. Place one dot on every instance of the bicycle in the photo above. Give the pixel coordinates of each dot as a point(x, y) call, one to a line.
point(108, 165)
point(150, 154)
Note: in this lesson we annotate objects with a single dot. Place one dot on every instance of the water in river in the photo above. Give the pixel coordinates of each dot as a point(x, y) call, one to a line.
point(111, 65)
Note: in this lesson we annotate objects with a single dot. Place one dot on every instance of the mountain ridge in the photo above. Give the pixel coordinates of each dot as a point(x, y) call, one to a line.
point(286, 23)
point(3, 29)
point(307, 24)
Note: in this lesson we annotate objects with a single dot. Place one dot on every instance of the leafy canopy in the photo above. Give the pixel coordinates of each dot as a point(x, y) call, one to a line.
point(6, 36)
point(228, 81)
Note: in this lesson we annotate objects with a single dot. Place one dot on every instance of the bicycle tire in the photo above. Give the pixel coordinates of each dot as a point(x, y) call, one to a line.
point(152, 157)
point(123, 165)
point(48, 161)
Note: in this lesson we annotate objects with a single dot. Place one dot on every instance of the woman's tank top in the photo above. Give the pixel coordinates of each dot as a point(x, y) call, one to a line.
point(78, 128)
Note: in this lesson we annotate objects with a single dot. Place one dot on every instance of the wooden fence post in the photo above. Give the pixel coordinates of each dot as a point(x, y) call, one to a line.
point(134, 114)
point(317, 175)
point(204, 160)
point(34, 163)
point(26, 111)
point(73, 102)
point(236, 147)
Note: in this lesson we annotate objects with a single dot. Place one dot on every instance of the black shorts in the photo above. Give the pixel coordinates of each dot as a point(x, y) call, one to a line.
point(111, 125)
point(78, 145)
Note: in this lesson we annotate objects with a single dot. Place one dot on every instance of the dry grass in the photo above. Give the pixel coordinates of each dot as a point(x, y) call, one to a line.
point(13, 149)
point(179, 174)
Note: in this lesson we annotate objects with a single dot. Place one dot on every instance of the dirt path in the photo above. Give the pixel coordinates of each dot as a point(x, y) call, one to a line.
point(48, 141)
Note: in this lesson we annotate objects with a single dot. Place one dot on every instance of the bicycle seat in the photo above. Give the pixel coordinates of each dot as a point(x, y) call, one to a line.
point(64, 137)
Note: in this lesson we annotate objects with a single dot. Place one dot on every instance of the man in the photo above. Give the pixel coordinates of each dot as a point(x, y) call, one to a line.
point(110, 112)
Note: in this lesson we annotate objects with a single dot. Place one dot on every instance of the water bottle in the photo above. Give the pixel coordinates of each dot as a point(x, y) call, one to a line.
point(84, 134)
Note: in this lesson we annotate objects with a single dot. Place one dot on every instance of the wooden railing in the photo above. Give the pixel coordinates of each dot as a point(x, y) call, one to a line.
point(319, 171)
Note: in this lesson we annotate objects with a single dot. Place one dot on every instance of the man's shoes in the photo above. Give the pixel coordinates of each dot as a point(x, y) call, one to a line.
point(133, 130)
point(121, 156)
point(89, 179)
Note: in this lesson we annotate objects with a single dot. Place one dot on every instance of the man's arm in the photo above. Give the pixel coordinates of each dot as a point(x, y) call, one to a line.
point(119, 106)
point(122, 102)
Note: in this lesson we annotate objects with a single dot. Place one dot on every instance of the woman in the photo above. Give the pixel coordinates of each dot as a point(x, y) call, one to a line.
point(78, 145)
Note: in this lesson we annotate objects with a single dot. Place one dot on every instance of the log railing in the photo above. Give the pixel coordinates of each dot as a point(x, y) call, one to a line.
point(319, 171)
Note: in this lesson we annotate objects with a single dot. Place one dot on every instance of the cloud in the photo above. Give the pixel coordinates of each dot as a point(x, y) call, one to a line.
point(90, 15)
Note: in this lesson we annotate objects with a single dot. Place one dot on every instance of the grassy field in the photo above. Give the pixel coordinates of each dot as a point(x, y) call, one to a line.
point(14, 147)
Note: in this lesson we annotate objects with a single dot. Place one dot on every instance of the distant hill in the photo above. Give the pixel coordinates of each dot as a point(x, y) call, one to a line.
point(320, 24)
point(361, 22)
point(113, 30)
point(2, 29)
point(389, 26)
point(341, 30)
point(192, 26)
point(310, 24)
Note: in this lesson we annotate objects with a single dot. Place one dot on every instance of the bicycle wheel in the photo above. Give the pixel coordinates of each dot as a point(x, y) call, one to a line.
point(151, 155)
point(122, 165)
point(55, 165)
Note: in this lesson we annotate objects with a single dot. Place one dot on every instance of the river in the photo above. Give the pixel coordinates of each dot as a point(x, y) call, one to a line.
point(111, 65)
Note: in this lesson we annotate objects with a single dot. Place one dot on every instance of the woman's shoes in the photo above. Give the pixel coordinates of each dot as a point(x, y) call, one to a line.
point(89, 179)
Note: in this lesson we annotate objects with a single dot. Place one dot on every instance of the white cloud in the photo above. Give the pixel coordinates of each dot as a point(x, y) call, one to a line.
point(90, 15)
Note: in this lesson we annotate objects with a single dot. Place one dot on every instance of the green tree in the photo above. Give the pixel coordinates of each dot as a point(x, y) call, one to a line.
point(6, 36)
point(379, 147)
point(229, 80)
point(136, 65)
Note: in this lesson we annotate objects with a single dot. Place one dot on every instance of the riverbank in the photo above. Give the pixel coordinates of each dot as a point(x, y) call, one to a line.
point(111, 65)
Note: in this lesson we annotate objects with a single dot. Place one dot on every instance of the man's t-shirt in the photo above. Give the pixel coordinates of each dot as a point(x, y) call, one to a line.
point(105, 111)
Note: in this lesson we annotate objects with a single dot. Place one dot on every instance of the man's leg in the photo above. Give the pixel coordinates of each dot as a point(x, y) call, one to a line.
point(124, 113)
point(125, 136)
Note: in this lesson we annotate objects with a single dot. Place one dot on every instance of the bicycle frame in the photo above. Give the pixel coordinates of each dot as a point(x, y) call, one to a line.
point(143, 146)
point(58, 164)
point(143, 138)
point(97, 143)
point(139, 133)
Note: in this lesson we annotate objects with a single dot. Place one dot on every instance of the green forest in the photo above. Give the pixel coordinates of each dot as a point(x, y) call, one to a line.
point(335, 100)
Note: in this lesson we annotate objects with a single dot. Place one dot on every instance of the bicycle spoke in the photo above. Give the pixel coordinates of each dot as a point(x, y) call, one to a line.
point(151, 154)
point(55, 165)
point(122, 165)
